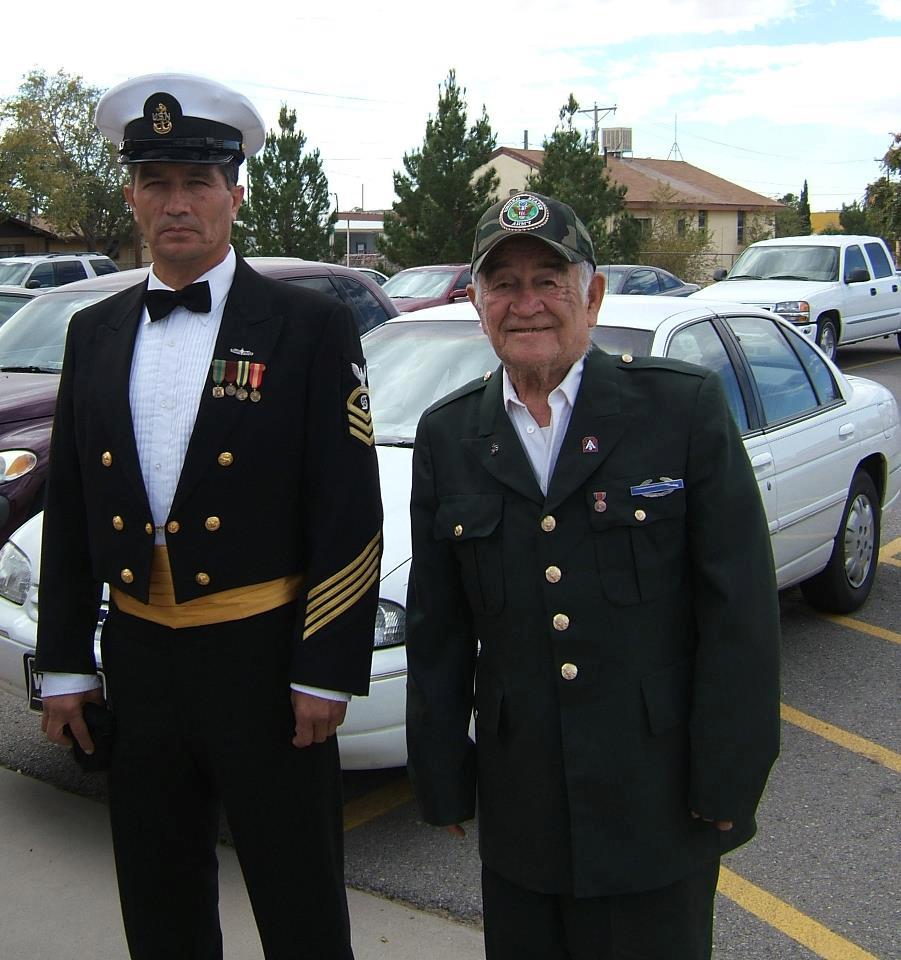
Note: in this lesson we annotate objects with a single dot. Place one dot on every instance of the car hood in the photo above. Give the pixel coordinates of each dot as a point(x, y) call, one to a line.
point(27, 396)
point(762, 291)
point(394, 472)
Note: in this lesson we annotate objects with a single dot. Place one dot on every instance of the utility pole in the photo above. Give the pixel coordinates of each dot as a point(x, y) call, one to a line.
point(596, 110)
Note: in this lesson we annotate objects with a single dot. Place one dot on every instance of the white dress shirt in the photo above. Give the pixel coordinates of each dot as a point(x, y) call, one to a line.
point(169, 368)
point(542, 444)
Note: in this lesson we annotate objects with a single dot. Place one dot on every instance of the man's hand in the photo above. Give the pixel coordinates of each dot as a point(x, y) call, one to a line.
point(66, 709)
point(721, 825)
point(455, 830)
point(315, 718)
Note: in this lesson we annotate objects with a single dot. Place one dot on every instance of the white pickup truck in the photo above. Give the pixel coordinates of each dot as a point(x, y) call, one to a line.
point(837, 289)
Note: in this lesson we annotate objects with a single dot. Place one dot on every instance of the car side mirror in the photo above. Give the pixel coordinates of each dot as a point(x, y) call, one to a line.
point(32, 284)
point(720, 273)
point(458, 295)
point(858, 275)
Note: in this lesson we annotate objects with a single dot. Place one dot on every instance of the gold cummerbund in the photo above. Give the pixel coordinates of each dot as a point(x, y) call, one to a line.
point(234, 604)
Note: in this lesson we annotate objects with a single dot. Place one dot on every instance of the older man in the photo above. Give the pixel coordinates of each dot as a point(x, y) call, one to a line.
point(592, 574)
point(212, 461)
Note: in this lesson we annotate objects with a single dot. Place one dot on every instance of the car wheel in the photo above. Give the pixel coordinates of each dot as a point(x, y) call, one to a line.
point(844, 584)
point(827, 338)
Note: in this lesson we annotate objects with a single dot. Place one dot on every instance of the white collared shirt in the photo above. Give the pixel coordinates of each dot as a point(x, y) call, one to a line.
point(542, 444)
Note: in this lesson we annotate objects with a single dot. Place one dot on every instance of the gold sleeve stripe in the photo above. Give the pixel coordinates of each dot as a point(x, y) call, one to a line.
point(344, 606)
point(337, 599)
point(345, 571)
point(367, 438)
point(359, 420)
point(340, 590)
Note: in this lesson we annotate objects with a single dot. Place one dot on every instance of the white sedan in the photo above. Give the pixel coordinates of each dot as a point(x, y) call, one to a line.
point(826, 450)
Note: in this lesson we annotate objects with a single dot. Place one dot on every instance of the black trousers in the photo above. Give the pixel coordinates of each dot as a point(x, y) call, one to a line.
point(203, 721)
point(672, 923)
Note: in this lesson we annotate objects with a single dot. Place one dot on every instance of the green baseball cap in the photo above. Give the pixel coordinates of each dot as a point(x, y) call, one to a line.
point(532, 215)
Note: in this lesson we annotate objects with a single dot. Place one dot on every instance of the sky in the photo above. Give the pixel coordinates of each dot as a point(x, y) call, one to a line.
point(765, 93)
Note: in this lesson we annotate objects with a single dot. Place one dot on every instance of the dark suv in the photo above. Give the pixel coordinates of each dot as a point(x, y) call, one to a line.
point(31, 356)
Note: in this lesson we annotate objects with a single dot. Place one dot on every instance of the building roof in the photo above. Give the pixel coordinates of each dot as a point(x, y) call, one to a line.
point(645, 177)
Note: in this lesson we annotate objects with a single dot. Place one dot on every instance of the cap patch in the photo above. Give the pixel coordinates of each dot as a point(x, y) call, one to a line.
point(163, 111)
point(523, 212)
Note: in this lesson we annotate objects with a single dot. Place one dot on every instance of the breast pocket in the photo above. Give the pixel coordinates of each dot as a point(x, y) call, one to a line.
point(639, 542)
point(472, 523)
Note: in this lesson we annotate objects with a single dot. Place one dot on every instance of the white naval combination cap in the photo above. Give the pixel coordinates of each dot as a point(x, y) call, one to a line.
point(179, 118)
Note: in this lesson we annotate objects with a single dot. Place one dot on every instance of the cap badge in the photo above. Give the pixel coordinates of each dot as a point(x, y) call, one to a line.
point(524, 212)
point(162, 120)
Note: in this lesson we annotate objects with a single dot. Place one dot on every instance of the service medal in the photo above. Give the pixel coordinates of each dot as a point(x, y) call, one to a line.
point(256, 378)
point(217, 372)
point(231, 374)
point(241, 380)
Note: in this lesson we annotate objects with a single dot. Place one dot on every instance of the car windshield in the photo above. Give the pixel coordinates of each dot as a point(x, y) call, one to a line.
point(9, 303)
point(787, 263)
point(13, 273)
point(419, 283)
point(614, 277)
point(35, 336)
point(414, 363)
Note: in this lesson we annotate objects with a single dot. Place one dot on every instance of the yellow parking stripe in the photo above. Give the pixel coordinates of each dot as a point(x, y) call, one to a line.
point(891, 553)
point(871, 363)
point(377, 803)
point(777, 913)
point(881, 632)
point(850, 741)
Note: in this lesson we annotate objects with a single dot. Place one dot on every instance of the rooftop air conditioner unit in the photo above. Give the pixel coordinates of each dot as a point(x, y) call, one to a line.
point(617, 140)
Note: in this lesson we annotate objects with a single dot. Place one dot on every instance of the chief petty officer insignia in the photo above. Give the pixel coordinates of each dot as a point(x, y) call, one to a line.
point(359, 413)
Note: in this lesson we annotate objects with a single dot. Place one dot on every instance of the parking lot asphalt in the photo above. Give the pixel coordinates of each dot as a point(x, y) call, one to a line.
point(58, 897)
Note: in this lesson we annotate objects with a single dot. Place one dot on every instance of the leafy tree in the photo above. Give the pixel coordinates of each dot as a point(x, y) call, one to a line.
point(674, 242)
point(575, 172)
point(794, 219)
point(883, 196)
point(438, 206)
point(55, 164)
point(287, 211)
point(854, 219)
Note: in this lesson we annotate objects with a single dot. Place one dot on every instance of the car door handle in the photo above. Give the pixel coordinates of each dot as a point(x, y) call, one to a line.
point(761, 460)
point(846, 430)
point(872, 291)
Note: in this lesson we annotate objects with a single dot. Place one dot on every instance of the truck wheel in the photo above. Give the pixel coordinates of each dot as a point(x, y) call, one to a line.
point(844, 583)
point(827, 338)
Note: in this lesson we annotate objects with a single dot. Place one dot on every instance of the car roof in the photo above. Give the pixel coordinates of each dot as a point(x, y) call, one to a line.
point(434, 266)
point(814, 240)
point(637, 311)
point(24, 291)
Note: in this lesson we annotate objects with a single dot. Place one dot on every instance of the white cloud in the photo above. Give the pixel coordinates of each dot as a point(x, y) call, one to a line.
point(890, 9)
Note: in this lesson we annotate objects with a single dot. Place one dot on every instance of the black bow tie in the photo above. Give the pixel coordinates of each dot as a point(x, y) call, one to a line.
point(195, 297)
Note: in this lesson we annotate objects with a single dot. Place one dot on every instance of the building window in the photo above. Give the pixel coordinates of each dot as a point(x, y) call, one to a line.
point(740, 227)
point(644, 224)
point(11, 249)
point(702, 219)
point(680, 226)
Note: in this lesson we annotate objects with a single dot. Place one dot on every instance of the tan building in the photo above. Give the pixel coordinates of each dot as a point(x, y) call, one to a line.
point(825, 220)
point(732, 215)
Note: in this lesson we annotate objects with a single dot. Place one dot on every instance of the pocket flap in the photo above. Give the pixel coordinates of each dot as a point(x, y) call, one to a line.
point(619, 507)
point(667, 693)
point(465, 516)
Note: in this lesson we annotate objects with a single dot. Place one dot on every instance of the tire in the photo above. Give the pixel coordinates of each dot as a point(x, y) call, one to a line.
point(844, 583)
point(827, 337)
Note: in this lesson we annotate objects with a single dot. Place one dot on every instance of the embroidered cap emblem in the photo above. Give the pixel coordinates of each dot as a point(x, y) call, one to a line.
point(162, 120)
point(523, 212)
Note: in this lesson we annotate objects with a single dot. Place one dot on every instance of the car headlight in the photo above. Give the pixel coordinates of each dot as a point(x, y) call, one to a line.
point(15, 464)
point(15, 574)
point(390, 624)
point(795, 311)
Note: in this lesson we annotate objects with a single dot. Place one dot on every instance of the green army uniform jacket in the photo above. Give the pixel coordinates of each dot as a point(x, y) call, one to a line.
point(290, 480)
point(620, 650)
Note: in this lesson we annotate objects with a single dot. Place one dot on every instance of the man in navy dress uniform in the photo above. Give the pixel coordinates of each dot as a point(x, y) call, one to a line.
point(212, 461)
point(592, 575)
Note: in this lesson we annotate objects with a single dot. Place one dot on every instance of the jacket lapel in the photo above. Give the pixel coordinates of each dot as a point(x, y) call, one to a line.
point(596, 421)
point(114, 348)
point(249, 324)
point(497, 447)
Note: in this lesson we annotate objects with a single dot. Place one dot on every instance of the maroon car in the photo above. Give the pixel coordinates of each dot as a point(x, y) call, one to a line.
point(31, 356)
point(418, 287)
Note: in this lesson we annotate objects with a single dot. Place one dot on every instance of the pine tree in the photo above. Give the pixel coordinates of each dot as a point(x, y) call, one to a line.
point(287, 213)
point(804, 211)
point(575, 172)
point(438, 206)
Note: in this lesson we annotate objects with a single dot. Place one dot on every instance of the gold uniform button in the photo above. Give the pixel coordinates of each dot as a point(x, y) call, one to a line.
point(553, 574)
point(202, 578)
point(212, 523)
point(548, 523)
point(173, 526)
point(569, 671)
point(561, 621)
point(148, 529)
point(118, 523)
point(106, 458)
point(127, 576)
point(225, 459)
point(627, 358)
point(640, 515)
point(458, 530)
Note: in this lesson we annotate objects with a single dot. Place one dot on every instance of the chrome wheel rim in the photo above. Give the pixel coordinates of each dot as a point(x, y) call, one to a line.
point(859, 541)
point(827, 341)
